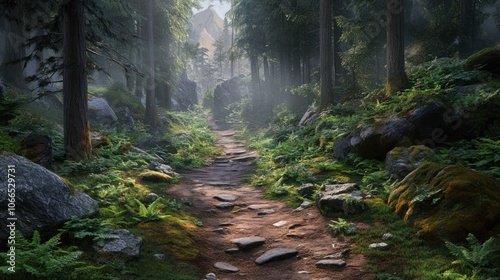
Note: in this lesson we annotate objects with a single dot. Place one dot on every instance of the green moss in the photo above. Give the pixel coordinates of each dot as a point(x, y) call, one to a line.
point(429, 199)
point(154, 176)
point(7, 142)
point(487, 59)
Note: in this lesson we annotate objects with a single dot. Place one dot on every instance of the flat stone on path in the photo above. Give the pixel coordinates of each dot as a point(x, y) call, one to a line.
point(247, 243)
point(275, 255)
point(280, 223)
point(224, 205)
point(266, 212)
point(258, 206)
point(225, 197)
point(232, 251)
point(226, 267)
point(245, 158)
point(330, 264)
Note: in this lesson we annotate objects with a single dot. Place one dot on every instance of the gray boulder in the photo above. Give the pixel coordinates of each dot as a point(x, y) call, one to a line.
point(186, 95)
point(43, 201)
point(125, 245)
point(50, 102)
point(306, 190)
point(310, 117)
point(100, 111)
point(226, 94)
point(162, 168)
point(402, 160)
point(374, 141)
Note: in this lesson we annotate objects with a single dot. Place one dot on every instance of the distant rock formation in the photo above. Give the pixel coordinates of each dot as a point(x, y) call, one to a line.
point(206, 27)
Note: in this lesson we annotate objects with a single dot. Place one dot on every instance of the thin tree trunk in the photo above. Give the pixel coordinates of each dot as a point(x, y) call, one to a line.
point(254, 72)
point(76, 125)
point(139, 61)
point(325, 49)
point(14, 39)
point(152, 118)
point(338, 69)
point(396, 74)
point(466, 32)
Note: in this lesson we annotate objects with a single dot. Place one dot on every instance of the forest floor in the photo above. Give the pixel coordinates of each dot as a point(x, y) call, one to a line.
point(250, 214)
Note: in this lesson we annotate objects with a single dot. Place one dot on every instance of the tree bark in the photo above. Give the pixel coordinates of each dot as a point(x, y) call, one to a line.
point(254, 73)
point(339, 70)
point(76, 125)
point(12, 68)
point(466, 32)
point(325, 50)
point(152, 118)
point(139, 61)
point(396, 74)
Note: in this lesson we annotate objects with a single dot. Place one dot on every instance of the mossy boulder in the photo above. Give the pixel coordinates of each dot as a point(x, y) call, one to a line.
point(487, 59)
point(400, 161)
point(154, 176)
point(447, 202)
point(375, 140)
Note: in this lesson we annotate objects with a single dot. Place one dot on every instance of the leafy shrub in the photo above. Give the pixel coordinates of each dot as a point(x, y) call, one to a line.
point(443, 73)
point(9, 103)
point(482, 154)
point(144, 213)
point(7, 142)
point(88, 228)
point(37, 260)
point(342, 227)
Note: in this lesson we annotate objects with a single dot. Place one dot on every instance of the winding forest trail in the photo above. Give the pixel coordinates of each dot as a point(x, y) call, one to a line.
point(247, 213)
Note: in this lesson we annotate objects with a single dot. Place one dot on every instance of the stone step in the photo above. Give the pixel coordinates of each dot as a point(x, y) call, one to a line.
point(276, 254)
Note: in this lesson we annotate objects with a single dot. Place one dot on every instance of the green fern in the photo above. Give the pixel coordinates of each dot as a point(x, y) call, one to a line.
point(149, 213)
point(89, 228)
point(480, 259)
point(342, 227)
point(43, 260)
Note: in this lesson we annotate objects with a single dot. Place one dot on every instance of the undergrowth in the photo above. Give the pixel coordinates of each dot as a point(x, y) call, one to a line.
point(112, 177)
point(291, 156)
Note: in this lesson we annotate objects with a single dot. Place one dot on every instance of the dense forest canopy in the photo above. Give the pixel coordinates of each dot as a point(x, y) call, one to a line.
point(382, 113)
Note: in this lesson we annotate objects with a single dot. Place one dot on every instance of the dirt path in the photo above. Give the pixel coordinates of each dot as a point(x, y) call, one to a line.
point(253, 215)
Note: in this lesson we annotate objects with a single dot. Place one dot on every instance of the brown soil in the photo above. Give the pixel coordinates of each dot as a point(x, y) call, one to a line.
point(305, 230)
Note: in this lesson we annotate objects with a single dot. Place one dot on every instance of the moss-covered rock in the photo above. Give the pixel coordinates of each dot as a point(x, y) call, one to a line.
point(155, 177)
point(487, 59)
point(448, 202)
point(400, 161)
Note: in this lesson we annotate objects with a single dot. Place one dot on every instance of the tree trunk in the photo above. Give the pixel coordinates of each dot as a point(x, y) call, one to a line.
point(254, 72)
point(325, 49)
point(76, 125)
point(339, 70)
point(11, 68)
point(139, 61)
point(466, 32)
point(152, 118)
point(396, 75)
